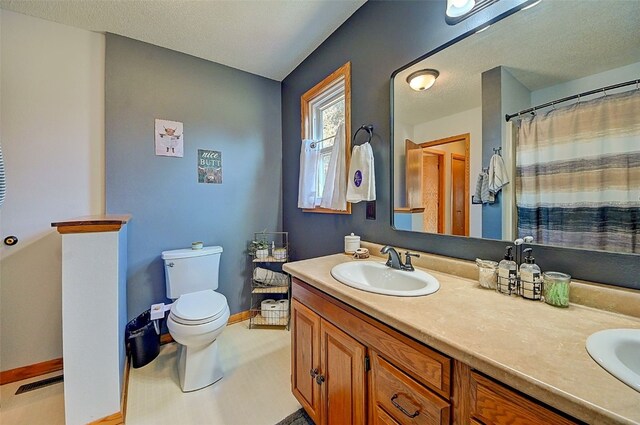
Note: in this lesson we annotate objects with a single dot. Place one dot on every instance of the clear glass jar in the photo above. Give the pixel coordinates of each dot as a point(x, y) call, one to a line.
point(556, 288)
point(487, 273)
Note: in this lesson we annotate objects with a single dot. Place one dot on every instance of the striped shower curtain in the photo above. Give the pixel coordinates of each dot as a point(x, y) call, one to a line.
point(578, 175)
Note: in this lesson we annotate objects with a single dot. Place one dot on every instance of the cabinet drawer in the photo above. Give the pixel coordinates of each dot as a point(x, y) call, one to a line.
point(493, 403)
point(404, 399)
point(380, 417)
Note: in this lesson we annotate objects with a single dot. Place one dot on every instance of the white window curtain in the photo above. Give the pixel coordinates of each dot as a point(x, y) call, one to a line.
point(335, 183)
point(309, 156)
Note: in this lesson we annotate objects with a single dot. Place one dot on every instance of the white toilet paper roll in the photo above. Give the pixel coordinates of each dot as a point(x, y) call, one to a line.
point(283, 305)
point(268, 309)
point(283, 309)
point(272, 315)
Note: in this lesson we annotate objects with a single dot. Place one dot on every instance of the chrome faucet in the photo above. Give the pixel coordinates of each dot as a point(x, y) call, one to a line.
point(395, 260)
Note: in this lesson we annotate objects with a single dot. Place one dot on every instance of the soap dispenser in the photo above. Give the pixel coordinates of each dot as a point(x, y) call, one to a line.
point(530, 277)
point(507, 271)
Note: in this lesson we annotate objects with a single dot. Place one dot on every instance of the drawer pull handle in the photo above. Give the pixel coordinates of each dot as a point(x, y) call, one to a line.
point(402, 409)
point(319, 379)
point(313, 372)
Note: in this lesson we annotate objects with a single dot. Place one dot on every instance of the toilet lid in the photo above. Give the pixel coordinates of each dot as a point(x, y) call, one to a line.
point(199, 307)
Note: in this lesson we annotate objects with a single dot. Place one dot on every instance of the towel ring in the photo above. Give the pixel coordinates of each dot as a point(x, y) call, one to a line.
point(368, 129)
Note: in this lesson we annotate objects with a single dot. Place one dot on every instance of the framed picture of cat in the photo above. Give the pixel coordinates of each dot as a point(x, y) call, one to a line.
point(169, 138)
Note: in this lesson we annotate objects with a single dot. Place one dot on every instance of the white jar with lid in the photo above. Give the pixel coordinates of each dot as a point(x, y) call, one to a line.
point(351, 243)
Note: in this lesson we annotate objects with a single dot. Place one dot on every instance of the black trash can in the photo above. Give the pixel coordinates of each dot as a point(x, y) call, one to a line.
point(144, 341)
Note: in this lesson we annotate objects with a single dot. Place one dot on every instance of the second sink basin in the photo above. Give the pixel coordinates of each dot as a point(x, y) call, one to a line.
point(618, 351)
point(372, 276)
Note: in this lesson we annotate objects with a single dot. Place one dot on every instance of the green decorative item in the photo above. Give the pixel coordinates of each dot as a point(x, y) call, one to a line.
point(259, 248)
point(556, 288)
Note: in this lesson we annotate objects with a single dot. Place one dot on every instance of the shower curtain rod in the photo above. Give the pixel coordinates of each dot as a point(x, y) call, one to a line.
point(575, 96)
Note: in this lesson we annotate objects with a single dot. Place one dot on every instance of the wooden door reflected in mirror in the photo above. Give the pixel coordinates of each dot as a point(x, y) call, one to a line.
point(437, 184)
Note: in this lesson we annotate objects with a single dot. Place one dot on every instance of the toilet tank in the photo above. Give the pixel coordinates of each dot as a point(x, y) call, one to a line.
point(191, 270)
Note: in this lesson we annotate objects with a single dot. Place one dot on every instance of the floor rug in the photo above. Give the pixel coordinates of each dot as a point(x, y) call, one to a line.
point(297, 418)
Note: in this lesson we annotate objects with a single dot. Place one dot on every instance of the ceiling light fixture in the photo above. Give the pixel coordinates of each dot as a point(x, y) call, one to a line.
point(535, 3)
point(483, 29)
point(423, 79)
point(457, 8)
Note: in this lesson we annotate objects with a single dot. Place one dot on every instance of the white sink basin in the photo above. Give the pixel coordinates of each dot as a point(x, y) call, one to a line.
point(618, 351)
point(375, 277)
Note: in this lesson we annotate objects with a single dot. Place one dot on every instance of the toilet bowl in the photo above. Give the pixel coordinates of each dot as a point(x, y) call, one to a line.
point(195, 322)
point(198, 314)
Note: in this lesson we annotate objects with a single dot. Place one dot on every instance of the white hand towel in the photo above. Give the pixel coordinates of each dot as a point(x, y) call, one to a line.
point(485, 194)
point(477, 195)
point(497, 174)
point(333, 193)
point(308, 172)
point(269, 277)
point(362, 176)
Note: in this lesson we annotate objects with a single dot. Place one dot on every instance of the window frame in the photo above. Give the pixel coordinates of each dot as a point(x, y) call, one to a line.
point(306, 118)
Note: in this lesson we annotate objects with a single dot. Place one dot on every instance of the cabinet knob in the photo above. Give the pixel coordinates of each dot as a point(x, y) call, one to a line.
point(171, 264)
point(402, 409)
point(313, 372)
point(319, 379)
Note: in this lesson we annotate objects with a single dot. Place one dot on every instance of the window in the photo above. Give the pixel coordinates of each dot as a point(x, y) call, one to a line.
point(324, 108)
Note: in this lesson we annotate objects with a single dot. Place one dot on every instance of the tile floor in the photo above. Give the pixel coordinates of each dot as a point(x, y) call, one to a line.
point(255, 389)
point(42, 406)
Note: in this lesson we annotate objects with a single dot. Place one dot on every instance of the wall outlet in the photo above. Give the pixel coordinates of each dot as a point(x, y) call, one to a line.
point(371, 210)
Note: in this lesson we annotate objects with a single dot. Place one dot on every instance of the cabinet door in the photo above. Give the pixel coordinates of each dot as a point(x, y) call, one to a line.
point(342, 376)
point(305, 359)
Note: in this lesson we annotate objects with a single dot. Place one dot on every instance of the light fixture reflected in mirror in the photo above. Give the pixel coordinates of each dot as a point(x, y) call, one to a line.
point(423, 79)
point(456, 8)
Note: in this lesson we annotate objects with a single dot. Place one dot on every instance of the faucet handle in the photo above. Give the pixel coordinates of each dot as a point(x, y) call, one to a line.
point(408, 266)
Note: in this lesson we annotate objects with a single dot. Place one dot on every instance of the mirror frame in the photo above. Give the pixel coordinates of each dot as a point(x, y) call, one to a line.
point(580, 252)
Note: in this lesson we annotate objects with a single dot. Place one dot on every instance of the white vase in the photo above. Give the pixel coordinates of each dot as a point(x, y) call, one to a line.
point(262, 253)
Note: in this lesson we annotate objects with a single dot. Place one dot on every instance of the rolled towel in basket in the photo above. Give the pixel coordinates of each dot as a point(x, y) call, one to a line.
point(269, 277)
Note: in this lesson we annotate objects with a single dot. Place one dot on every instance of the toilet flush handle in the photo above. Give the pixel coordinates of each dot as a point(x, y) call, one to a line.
point(170, 264)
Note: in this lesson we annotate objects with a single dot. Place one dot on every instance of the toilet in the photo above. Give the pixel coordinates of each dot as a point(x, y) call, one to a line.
point(198, 314)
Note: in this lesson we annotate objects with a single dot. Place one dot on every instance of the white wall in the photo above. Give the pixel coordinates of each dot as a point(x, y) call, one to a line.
point(463, 122)
point(514, 97)
point(591, 82)
point(52, 110)
point(401, 132)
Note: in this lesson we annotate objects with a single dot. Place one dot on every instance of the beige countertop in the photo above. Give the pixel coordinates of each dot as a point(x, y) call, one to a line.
point(528, 345)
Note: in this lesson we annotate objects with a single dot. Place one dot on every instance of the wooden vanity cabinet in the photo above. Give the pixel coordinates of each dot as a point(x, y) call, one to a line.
point(328, 369)
point(348, 368)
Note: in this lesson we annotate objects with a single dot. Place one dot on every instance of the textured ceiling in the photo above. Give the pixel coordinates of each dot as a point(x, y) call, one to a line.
point(268, 38)
point(554, 42)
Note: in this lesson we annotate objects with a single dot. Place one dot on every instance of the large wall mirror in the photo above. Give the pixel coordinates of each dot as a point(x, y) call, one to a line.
point(573, 166)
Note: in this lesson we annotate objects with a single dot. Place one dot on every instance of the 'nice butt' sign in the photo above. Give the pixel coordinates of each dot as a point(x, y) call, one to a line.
point(209, 166)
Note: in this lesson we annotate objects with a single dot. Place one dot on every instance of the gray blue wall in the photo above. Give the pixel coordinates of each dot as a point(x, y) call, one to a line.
point(491, 138)
point(379, 38)
point(222, 109)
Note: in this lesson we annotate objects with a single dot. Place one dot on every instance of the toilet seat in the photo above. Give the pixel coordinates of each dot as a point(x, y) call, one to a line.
point(197, 308)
